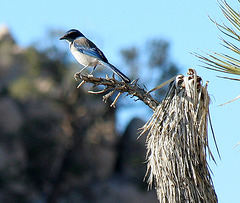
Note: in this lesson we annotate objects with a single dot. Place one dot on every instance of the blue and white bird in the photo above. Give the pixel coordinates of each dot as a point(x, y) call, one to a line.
point(88, 54)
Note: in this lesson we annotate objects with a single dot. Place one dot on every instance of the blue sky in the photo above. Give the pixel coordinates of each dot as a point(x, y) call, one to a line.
point(113, 25)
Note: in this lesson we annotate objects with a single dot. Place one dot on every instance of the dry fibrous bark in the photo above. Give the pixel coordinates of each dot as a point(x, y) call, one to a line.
point(177, 143)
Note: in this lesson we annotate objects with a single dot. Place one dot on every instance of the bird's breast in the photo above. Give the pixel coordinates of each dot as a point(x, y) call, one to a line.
point(84, 59)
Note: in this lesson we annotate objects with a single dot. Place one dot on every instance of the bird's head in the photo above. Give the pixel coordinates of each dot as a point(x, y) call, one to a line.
point(71, 35)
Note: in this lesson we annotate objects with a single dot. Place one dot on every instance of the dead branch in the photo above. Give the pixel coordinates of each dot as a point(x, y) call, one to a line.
point(111, 85)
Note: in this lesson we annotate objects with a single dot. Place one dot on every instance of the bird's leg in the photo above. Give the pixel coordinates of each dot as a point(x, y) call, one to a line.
point(93, 69)
point(78, 73)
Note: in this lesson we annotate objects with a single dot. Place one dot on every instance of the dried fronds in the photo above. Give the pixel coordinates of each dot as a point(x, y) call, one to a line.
point(111, 85)
point(177, 143)
point(162, 84)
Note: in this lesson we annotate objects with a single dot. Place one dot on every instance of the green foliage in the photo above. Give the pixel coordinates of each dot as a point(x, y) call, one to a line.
point(44, 68)
point(224, 62)
point(22, 88)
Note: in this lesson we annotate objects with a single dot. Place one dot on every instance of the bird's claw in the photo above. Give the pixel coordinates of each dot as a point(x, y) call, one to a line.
point(77, 75)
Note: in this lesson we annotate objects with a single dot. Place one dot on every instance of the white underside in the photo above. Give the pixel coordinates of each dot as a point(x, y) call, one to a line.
point(83, 59)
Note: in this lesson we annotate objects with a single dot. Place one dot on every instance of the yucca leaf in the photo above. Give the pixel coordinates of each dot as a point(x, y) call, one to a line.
point(225, 62)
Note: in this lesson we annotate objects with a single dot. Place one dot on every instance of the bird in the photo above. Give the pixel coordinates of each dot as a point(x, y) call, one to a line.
point(88, 54)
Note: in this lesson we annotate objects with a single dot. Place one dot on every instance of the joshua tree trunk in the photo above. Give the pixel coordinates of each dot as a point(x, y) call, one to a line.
point(177, 144)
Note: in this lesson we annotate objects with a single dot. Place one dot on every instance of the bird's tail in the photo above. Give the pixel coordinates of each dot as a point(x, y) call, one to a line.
point(118, 72)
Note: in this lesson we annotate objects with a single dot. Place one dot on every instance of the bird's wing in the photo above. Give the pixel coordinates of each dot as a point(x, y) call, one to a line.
point(87, 47)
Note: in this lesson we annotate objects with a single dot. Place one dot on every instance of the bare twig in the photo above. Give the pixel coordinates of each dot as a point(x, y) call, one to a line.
point(80, 84)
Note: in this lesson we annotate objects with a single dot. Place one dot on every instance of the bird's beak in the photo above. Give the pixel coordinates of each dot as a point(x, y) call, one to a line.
point(64, 37)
